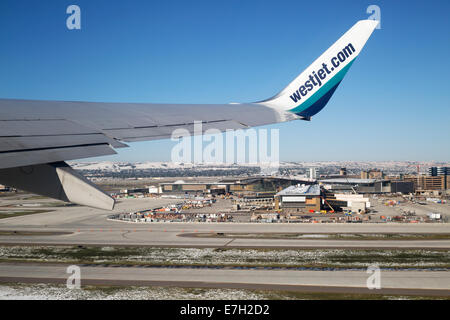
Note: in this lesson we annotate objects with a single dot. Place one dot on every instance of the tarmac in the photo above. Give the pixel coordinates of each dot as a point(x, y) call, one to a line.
point(391, 282)
point(91, 226)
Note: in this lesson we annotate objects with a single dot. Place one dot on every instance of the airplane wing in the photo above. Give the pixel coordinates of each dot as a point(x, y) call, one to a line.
point(33, 132)
point(36, 137)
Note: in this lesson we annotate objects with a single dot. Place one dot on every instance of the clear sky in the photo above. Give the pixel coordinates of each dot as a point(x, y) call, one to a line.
point(394, 103)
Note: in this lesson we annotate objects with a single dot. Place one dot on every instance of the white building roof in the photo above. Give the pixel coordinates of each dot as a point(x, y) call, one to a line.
point(300, 190)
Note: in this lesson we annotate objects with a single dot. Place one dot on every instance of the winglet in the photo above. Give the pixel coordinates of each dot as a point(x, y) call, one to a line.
point(313, 88)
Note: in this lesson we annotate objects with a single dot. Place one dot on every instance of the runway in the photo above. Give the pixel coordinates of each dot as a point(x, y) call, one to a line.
point(392, 282)
point(170, 238)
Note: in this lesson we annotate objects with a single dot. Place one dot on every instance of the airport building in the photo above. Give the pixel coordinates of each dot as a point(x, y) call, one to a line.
point(372, 186)
point(313, 173)
point(262, 184)
point(300, 198)
point(404, 187)
point(372, 174)
point(422, 182)
point(182, 187)
point(240, 187)
point(443, 172)
point(256, 200)
point(439, 171)
point(356, 185)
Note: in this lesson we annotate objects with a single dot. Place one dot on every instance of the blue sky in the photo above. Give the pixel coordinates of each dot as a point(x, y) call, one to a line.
point(392, 105)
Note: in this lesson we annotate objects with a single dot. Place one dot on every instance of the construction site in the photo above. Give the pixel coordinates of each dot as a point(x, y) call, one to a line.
point(298, 203)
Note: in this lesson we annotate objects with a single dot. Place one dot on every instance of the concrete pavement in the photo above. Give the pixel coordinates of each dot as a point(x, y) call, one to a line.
point(406, 282)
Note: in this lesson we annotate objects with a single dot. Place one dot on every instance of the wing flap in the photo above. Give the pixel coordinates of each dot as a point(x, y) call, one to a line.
point(11, 144)
point(165, 132)
point(9, 159)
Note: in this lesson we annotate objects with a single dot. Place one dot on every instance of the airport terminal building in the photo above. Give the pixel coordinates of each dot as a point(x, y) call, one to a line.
point(300, 198)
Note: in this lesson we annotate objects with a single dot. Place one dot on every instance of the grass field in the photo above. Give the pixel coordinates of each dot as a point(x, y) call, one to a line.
point(53, 291)
point(326, 236)
point(11, 214)
point(228, 258)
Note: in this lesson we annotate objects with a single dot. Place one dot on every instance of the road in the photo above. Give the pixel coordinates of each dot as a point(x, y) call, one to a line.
point(393, 282)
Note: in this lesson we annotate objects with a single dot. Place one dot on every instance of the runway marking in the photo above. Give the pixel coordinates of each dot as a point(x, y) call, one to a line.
point(226, 244)
point(124, 234)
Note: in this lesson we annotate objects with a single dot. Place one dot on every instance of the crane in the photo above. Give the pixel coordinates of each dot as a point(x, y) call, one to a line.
point(415, 165)
point(418, 173)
